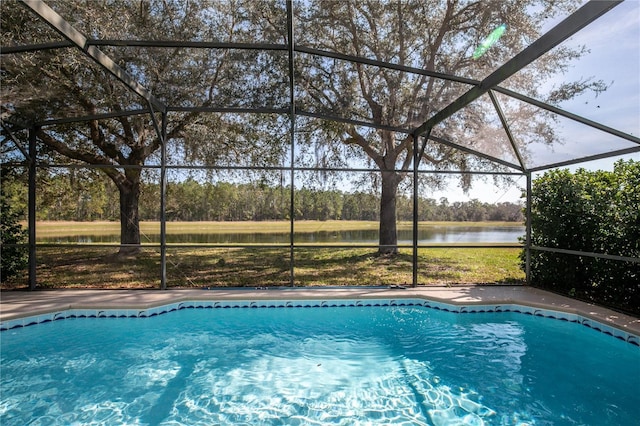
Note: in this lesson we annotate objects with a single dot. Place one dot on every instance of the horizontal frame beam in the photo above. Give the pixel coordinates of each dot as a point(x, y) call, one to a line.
point(616, 153)
point(189, 44)
point(284, 246)
point(387, 65)
point(270, 168)
point(104, 116)
point(238, 110)
point(351, 121)
point(7, 50)
point(587, 254)
point(144, 43)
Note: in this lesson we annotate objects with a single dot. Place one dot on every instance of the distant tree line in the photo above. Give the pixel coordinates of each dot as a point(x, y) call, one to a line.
point(82, 197)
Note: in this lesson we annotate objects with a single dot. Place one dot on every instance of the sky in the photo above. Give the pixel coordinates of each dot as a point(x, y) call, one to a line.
point(613, 43)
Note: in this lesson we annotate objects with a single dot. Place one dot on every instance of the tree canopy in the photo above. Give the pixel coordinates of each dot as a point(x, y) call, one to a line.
point(64, 83)
point(364, 71)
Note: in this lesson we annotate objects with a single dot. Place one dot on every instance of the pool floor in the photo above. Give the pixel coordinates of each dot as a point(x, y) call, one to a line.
point(404, 364)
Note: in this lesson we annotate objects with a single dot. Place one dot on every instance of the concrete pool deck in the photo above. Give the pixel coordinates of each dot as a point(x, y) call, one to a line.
point(19, 304)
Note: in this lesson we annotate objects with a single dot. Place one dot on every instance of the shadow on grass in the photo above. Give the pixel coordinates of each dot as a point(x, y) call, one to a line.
point(92, 267)
point(95, 267)
point(439, 270)
point(340, 267)
point(228, 267)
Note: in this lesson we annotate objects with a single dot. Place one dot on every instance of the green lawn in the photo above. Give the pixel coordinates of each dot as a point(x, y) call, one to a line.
point(73, 266)
point(94, 267)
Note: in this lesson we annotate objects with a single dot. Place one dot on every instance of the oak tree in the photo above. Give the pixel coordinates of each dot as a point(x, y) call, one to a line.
point(434, 35)
point(62, 82)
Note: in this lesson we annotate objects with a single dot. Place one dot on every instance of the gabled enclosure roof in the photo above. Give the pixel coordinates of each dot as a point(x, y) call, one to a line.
point(586, 127)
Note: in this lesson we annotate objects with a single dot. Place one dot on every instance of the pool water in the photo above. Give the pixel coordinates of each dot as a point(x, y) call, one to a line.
point(318, 366)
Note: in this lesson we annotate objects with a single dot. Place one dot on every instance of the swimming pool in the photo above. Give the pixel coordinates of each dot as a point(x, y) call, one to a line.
point(333, 362)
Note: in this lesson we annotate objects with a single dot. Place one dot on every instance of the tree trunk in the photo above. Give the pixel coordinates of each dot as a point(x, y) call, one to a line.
point(129, 218)
point(388, 228)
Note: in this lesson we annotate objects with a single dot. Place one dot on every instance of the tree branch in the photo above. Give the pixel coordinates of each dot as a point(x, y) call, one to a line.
point(87, 157)
point(357, 139)
point(376, 108)
point(99, 140)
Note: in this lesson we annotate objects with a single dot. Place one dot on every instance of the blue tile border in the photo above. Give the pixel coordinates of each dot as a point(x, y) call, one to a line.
point(317, 303)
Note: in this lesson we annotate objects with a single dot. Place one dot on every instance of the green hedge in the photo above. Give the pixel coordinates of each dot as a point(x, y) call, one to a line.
point(589, 211)
point(13, 259)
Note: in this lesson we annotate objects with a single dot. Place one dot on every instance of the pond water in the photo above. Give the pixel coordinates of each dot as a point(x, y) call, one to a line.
point(427, 234)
